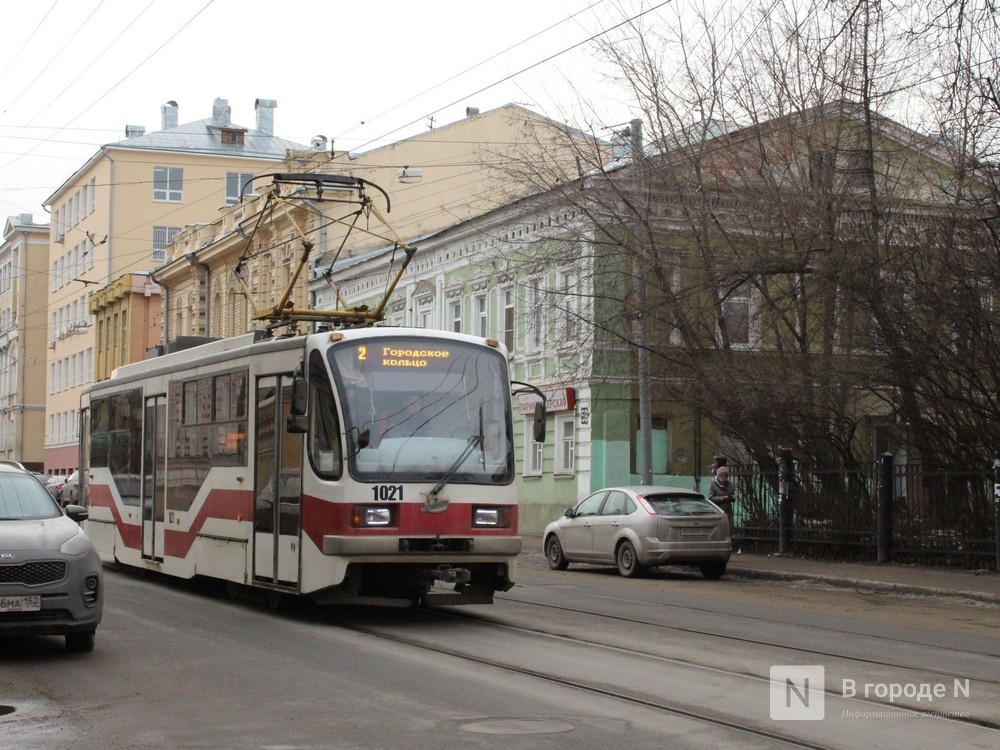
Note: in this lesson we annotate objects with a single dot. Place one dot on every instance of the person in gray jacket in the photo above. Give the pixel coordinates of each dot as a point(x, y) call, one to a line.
point(720, 492)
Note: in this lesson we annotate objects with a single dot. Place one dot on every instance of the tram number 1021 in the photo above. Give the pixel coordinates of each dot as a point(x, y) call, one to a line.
point(387, 493)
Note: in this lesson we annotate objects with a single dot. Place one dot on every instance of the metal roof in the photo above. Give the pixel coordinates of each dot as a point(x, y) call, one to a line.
point(204, 137)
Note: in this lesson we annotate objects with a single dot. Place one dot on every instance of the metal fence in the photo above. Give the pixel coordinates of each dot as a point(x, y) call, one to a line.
point(938, 516)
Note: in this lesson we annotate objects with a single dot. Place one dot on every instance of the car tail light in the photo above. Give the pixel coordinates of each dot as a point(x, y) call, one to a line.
point(369, 516)
point(491, 516)
point(644, 505)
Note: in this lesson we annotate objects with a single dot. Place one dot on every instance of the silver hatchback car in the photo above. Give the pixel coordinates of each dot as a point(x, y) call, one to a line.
point(641, 527)
point(50, 574)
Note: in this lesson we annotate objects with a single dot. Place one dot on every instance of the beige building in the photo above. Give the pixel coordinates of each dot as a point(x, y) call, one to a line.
point(127, 322)
point(116, 215)
point(437, 179)
point(24, 261)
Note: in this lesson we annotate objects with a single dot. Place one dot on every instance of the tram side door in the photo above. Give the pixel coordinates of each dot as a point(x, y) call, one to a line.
point(154, 475)
point(277, 484)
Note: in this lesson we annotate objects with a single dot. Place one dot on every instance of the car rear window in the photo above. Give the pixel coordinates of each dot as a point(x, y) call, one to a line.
point(680, 505)
point(22, 497)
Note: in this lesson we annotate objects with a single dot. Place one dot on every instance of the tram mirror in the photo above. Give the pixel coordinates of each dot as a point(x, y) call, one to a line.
point(299, 396)
point(538, 423)
point(298, 424)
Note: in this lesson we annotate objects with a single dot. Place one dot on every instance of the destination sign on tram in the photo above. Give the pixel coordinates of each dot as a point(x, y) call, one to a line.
point(404, 357)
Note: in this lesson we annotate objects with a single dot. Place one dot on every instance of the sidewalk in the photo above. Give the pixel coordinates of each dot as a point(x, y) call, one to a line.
point(983, 586)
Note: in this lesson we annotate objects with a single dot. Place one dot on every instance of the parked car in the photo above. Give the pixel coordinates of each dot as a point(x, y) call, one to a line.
point(51, 582)
point(71, 490)
point(16, 464)
point(54, 484)
point(641, 527)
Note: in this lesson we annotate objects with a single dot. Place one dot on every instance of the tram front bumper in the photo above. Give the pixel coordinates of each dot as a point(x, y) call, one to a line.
point(418, 547)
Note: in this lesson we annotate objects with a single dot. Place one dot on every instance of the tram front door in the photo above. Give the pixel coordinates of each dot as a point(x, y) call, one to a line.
point(277, 485)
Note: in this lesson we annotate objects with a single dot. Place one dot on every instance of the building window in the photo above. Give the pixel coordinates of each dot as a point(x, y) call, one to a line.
point(532, 451)
point(569, 306)
point(168, 184)
point(535, 320)
point(482, 316)
point(566, 444)
point(232, 137)
point(508, 319)
point(736, 313)
point(456, 316)
point(236, 184)
point(163, 236)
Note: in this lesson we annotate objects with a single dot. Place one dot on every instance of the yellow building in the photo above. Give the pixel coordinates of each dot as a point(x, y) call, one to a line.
point(116, 215)
point(434, 180)
point(23, 263)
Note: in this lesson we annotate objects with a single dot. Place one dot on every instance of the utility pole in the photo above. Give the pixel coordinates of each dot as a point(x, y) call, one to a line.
point(641, 325)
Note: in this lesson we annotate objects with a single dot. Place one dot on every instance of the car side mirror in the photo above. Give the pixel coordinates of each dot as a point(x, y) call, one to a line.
point(570, 513)
point(77, 512)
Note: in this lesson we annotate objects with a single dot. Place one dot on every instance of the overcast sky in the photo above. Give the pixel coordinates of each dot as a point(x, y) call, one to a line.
point(73, 73)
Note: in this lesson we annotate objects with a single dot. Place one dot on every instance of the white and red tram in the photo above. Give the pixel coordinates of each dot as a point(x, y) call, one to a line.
point(366, 465)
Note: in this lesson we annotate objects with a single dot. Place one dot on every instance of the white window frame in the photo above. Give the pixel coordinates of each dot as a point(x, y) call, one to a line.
point(508, 316)
point(481, 310)
point(162, 237)
point(568, 305)
point(234, 184)
point(534, 333)
point(533, 456)
point(168, 184)
point(455, 310)
point(565, 444)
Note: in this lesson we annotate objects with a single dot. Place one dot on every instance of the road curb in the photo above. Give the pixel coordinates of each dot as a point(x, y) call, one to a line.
point(862, 584)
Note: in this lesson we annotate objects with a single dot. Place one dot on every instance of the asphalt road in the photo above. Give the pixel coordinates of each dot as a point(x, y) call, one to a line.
point(574, 659)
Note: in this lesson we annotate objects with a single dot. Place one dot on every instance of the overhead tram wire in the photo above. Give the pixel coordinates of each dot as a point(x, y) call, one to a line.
point(26, 42)
point(83, 71)
point(120, 81)
point(471, 68)
point(60, 50)
point(519, 72)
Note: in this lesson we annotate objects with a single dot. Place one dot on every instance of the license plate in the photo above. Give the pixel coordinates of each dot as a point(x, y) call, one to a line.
point(20, 603)
point(694, 532)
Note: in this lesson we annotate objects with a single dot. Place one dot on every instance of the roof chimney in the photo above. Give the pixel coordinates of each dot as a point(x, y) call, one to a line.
point(26, 219)
point(221, 113)
point(265, 115)
point(131, 131)
point(169, 113)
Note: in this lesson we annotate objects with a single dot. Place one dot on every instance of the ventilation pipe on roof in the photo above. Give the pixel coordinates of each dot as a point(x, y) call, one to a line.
point(169, 116)
point(221, 113)
point(265, 115)
point(471, 111)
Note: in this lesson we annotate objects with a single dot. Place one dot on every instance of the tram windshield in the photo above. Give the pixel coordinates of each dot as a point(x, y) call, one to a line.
point(424, 410)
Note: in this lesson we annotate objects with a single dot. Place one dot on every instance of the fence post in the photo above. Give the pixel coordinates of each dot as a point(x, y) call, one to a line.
point(786, 476)
point(996, 505)
point(884, 529)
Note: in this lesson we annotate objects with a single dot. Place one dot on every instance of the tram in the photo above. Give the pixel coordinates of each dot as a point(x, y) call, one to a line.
point(373, 465)
point(356, 463)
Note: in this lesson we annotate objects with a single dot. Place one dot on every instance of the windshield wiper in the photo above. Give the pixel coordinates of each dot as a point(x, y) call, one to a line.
point(435, 505)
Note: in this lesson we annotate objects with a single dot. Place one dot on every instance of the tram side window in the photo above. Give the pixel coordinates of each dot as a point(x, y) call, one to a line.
point(324, 427)
point(208, 427)
point(115, 430)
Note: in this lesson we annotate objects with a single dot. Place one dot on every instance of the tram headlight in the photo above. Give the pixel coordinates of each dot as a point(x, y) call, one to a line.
point(491, 516)
point(363, 516)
